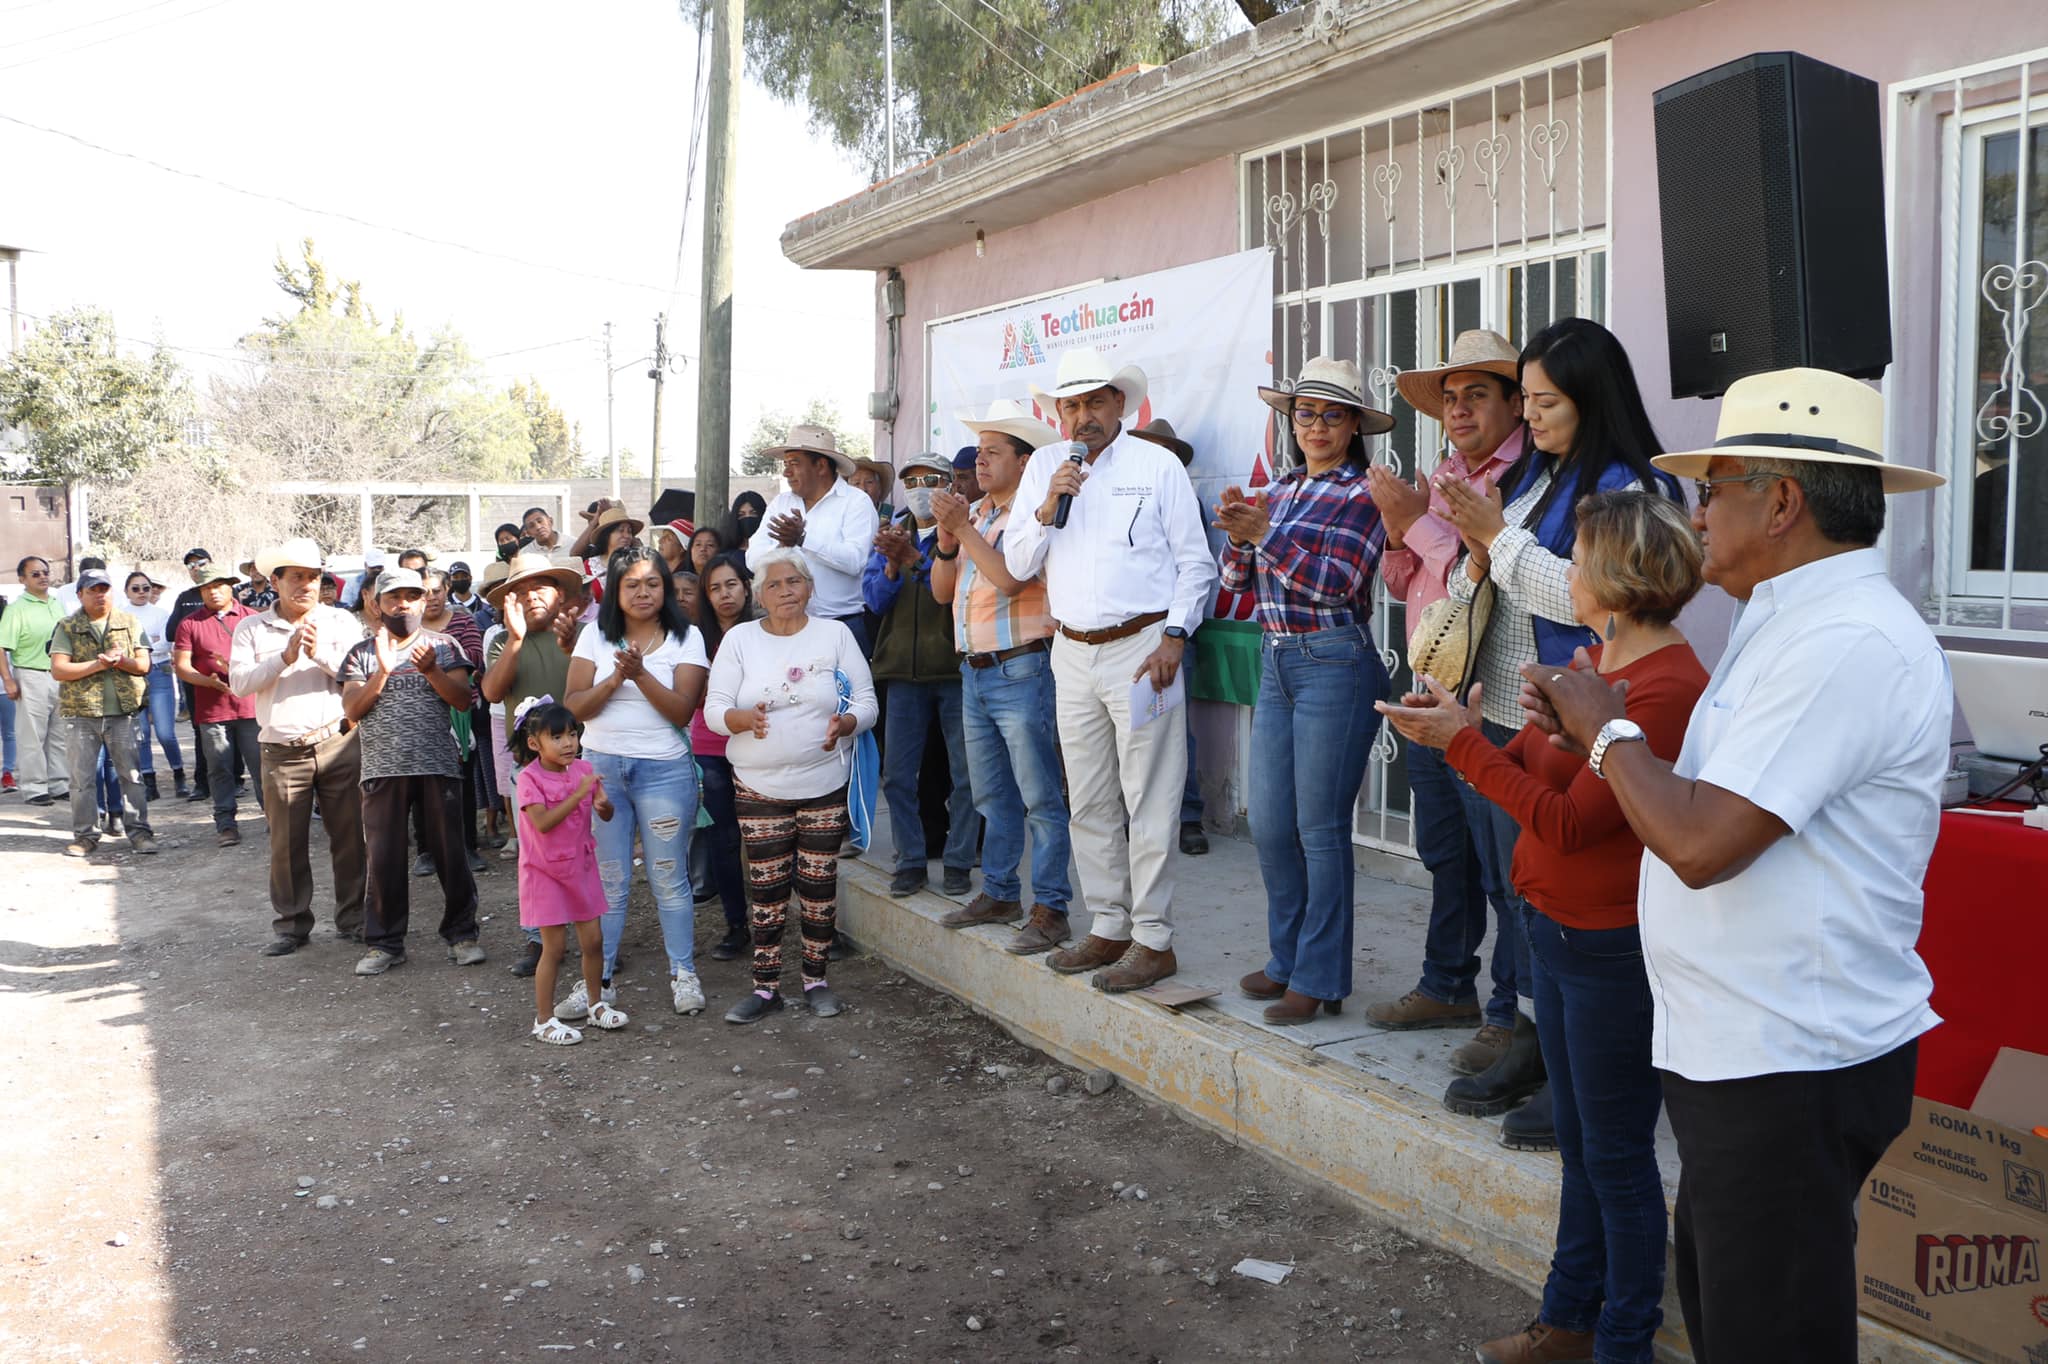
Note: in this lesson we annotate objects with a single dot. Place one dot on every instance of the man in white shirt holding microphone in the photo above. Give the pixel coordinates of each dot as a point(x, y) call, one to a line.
point(1127, 576)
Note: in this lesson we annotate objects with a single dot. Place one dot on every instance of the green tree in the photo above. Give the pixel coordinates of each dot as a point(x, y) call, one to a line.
point(952, 86)
point(772, 429)
point(88, 411)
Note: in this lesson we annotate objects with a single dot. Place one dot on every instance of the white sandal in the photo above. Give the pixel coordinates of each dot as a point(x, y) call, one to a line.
point(556, 1033)
point(607, 1016)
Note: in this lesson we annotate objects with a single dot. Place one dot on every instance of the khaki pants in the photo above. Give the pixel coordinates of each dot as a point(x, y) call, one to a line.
point(45, 767)
point(1111, 771)
point(290, 777)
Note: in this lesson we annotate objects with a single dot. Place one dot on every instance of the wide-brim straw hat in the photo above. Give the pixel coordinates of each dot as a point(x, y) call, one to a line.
point(613, 516)
point(1446, 639)
point(1813, 415)
point(494, 572)
point(1333, 381)
point(1083, 370)
point(1160, 432)
point(531, 565)
point(881, 470)
point(1479, 351)
point(815, 440)
point(1011, 418)
point(301, 552)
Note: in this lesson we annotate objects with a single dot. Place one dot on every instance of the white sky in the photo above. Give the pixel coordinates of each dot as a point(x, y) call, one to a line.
point(552, 132)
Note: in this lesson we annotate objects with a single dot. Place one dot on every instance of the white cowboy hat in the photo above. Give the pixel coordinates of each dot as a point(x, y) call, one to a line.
point(1083, 370)
point(1814, 415)
point(1333, 381)
point(1478, 351)
point(1009, 417)
point(528, 565)
point(815, 440)
point(297, 553)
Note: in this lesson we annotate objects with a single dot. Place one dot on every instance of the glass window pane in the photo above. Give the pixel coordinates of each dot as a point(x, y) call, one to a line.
point(2011, 392)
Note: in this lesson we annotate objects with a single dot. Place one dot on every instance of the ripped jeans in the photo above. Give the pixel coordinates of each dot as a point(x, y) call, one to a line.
point(656, 797)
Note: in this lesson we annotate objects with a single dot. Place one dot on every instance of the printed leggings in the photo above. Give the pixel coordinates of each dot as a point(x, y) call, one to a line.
point(791, 844)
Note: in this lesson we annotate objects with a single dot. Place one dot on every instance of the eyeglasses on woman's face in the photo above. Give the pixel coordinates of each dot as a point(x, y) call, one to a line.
point(1305, 417)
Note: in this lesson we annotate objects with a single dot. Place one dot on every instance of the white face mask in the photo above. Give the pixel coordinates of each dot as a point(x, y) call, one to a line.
point(919, 500)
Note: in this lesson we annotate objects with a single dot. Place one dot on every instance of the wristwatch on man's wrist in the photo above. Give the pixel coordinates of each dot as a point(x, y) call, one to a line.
point(1175, 632)
point(1611, 733)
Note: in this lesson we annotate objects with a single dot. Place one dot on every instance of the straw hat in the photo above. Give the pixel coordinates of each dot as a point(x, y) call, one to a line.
point(297, 553)
point(1445, 644)
point(1814, 415)
point(494, 572)
point(815, 440)
point(530, 565)
point(1333, 381)
point(1083, 370)
point(612, 516)
point(885, 475)
point(1010, 418)
point(1160, 432)
point(1481, 350)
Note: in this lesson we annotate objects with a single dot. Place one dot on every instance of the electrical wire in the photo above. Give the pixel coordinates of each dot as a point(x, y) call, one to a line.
point(114, 37)
point(697, 99)
point(80, 28)
point(990, 45)
point(1079, 70)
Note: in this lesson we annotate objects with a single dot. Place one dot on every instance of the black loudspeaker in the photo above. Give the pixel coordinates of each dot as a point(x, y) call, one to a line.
point(1770, 188)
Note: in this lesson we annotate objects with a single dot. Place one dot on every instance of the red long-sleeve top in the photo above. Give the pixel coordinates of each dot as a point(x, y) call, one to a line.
point(1577, 859)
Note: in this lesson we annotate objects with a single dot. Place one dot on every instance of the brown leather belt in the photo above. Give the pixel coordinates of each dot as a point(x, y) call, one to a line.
point(312, 739)
point(1114, 632)
point(1036, 646)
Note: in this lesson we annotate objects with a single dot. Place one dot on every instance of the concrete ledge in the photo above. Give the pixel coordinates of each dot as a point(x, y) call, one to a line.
point(1381, 1146)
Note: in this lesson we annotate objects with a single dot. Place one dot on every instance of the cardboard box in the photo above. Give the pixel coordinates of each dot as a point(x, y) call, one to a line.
point(1954, 1221)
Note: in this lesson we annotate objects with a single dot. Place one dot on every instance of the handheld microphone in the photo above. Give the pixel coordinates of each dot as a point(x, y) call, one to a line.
point(1077, 455)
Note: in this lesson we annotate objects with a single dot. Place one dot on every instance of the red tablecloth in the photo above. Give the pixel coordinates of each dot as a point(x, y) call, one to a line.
point(1983, 936)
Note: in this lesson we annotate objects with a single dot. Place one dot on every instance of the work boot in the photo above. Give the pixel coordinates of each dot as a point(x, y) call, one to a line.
point(983, 909)
point(149, 786)
point(1045, 930)
point(1481, 1050)
point(1193, 841)
point(907, 883)
point(1259, 985)
point(1139, 967)
point(956, 881)
point(1517, 1075)
point(1538, 1343)
point(180, 786)
point(1295, 1007)
point(731, 945)
point(528, 960)
point(1417, 1010)
point(1091, 952)
point(1532, 1127)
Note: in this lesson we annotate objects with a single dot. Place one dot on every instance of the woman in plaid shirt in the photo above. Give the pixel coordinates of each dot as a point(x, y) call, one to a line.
point(1307, 547)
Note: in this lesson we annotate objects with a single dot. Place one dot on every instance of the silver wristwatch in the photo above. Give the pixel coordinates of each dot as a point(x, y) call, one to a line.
point(1611, 733)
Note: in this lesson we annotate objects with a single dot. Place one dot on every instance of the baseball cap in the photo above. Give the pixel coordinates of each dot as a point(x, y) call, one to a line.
point(93, 577)
point(963, 458)
point(459, 566)
point(397, 580)
point(936, 463)
point(195, 553)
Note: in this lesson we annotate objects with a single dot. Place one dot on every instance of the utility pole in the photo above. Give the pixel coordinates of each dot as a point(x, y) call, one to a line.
point(611, 450)
point(721, 192)
point(658, 374)
point(889, 84)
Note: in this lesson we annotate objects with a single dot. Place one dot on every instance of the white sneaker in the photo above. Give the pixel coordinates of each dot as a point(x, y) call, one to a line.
point(603, 1015)
point(577, 1005)
point(687, 992)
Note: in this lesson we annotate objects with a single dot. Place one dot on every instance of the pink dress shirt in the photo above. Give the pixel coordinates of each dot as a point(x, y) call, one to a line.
point(1420, 571)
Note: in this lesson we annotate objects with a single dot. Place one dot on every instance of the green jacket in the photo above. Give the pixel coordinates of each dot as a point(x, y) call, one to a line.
point(107, 693)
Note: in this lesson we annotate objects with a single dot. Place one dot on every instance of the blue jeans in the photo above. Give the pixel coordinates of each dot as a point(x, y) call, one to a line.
point(910, 706)
point(1312, 732)
point(1013, 762)
point(1191, 794)
point(7, 731)
point(1457, 891)
point(1493, 836)
point(1593, 1022)
point(657, 797)
point(159, 713)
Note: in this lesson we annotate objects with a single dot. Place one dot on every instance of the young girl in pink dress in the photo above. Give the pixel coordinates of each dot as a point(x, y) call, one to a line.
point(555, 793)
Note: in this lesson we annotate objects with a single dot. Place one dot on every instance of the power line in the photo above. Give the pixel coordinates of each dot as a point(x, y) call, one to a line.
point(1079, 70)
point(985, 42)
point(696, 140)
point(90, 23)
point(113, 37)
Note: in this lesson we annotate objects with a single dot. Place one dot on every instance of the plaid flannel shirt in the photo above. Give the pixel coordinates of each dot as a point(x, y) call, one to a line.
point(1313, 569)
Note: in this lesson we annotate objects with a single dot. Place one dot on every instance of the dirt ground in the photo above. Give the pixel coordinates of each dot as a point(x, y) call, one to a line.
point(221, 1157)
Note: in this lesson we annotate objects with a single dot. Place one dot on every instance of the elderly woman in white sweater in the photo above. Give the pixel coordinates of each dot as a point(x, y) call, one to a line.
point(792, 690)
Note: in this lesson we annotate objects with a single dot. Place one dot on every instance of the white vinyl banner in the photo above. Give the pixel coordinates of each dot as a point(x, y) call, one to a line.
point(1202, 333)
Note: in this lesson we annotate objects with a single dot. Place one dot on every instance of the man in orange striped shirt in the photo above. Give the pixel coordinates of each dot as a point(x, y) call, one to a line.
point(1004, 633)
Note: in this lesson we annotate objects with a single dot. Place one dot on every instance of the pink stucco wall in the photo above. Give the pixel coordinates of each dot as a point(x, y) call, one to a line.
point(1177, 220)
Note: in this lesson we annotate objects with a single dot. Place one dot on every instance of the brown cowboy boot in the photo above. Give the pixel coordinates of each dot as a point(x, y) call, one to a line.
point(1259, 985)
point(983, 909)
point(1295, 1007)
point(1539, 1343)
point(1086, 955)
point(1141, 966)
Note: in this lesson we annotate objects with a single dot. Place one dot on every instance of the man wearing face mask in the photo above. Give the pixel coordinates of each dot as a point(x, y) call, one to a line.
point(915, 656)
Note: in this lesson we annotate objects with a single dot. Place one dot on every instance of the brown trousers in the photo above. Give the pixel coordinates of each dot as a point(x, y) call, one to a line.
point(291, 775)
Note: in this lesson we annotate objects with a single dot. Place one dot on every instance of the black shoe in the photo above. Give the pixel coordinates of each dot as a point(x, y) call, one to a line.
point(282, 946)
point(1193, 841)
point(477, 863)
point(842, 947)
point(753, 1008)
point(241, 789)
point(956, 881)
point(731, 945)
point(149, 786)
point(199, 793)
point(43, 799)
point(907, 882)
point(423, 865)
point(1532, 1127)
point(823, 1002)
point(528, 962)
point(1517, 1075)
point(180, 787)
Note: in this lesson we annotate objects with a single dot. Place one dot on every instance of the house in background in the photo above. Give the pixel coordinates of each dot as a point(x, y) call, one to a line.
point(1421, 166)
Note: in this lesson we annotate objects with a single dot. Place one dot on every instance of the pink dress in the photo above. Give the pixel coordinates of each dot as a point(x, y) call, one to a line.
point(558, 881)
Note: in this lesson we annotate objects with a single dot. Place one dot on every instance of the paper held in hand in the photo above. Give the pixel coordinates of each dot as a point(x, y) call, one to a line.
point(1148, 704)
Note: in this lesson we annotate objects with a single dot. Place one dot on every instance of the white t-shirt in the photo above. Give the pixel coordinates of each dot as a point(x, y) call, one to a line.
point(629, 726)
point(153, 619)
point(795, 675)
